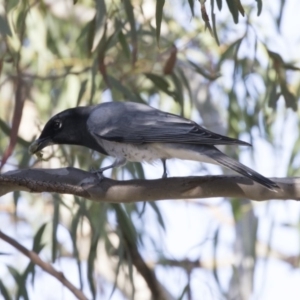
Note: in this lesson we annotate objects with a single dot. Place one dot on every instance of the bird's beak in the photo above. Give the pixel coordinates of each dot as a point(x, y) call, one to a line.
point(39, 144)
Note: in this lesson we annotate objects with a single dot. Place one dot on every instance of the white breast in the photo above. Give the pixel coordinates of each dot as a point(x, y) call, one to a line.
point(152, 151)
point(136, 153)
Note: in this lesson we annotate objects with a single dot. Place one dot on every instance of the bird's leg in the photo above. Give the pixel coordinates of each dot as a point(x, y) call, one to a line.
point(164, 175)
point(119, 161)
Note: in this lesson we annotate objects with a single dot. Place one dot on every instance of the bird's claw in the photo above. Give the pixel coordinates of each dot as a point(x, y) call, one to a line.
point(99, 173)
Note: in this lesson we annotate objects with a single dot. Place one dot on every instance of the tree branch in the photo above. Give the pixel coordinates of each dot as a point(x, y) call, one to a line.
point(85, 184)
point(45, 266)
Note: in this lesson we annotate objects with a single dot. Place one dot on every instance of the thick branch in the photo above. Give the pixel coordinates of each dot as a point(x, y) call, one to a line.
point(87, 185)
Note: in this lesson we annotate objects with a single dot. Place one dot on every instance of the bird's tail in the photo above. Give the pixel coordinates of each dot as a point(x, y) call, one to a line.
point(236, 166)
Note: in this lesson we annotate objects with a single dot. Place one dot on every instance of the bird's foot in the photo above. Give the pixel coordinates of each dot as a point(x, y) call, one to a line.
point(165, 174)
point(99, 173)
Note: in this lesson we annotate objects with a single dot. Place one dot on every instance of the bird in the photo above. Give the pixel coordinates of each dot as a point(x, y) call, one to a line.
point(137, 132)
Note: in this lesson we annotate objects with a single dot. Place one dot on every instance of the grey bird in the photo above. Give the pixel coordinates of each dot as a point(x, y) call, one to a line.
point(137, 132)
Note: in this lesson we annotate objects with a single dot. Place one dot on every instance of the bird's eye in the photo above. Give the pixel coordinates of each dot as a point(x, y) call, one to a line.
point(57, 125)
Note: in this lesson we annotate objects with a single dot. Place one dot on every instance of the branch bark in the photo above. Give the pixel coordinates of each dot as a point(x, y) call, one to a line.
point(45, 266)
point(85, 184)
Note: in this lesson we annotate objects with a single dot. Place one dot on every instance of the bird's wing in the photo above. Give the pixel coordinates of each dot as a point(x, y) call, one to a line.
point(143, 124)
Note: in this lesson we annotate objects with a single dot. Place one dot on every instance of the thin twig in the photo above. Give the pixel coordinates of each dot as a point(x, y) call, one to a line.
point(45, 266)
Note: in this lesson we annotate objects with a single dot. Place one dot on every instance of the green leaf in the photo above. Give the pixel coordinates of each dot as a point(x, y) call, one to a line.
point(91, 261)
point(290, 99)
point(124, 44)
point(16, 196)
point(215, 266)
point(130, 16)
point(233, 10)
point(159, 82)
point(125, 223)
point(240, 7)
point(228, 53)
point(121, 88)
point(273, 96)
point(259, 6)
point(191, 4)
point(178, 94)
point(213, 18)
point(94, 70)
point(99, 23)
point(158, 17)
point(37, 247)
point(7, 130)
point(120, 255)
point(11, 4)
point(184, 291)
point(158, 214)
point(186, 84)
point(22, 292)
point(73, 232)
point(55, 223)
point(37, 240)
point(205, 73)
point(81, 91)
point(4, 26)
point(3, 291)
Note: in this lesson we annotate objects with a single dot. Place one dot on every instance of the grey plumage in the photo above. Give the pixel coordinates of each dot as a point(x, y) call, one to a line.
point(137, 132)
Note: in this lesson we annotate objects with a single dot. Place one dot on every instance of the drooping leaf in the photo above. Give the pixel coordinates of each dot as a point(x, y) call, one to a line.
point(289, 97)
point(240, 7)
point(4, 26)
point(228, 53)
point(133, 33)
point(11, 4)
point(205, 18)
point(203, 72)
point(191, 4)
point(178, 93)
point(6, 129)
point(184, 291)
point(185, 83)
point(158, 214)
point(122, 89)
point(124, 44)
point(37, 247)
point(259, 7)
point(215, 266)
point(99, 23)
point(21, 282)
point(125, 223)
point(55, 223)
point(273, 96)
point(219, 4)
point(232, 5)
point(81, 91)
point(158, 17)
point(73, 233)
point(159, 82)
point(91, 260)
point(3, 291)
point(213, 18)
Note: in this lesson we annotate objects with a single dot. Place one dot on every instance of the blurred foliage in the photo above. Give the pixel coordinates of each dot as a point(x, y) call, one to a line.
point(59, 54)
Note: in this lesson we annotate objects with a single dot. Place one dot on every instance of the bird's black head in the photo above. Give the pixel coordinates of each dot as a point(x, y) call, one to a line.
point(67, 127)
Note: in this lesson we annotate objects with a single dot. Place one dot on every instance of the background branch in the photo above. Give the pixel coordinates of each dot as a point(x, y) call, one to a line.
point(45, 266)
